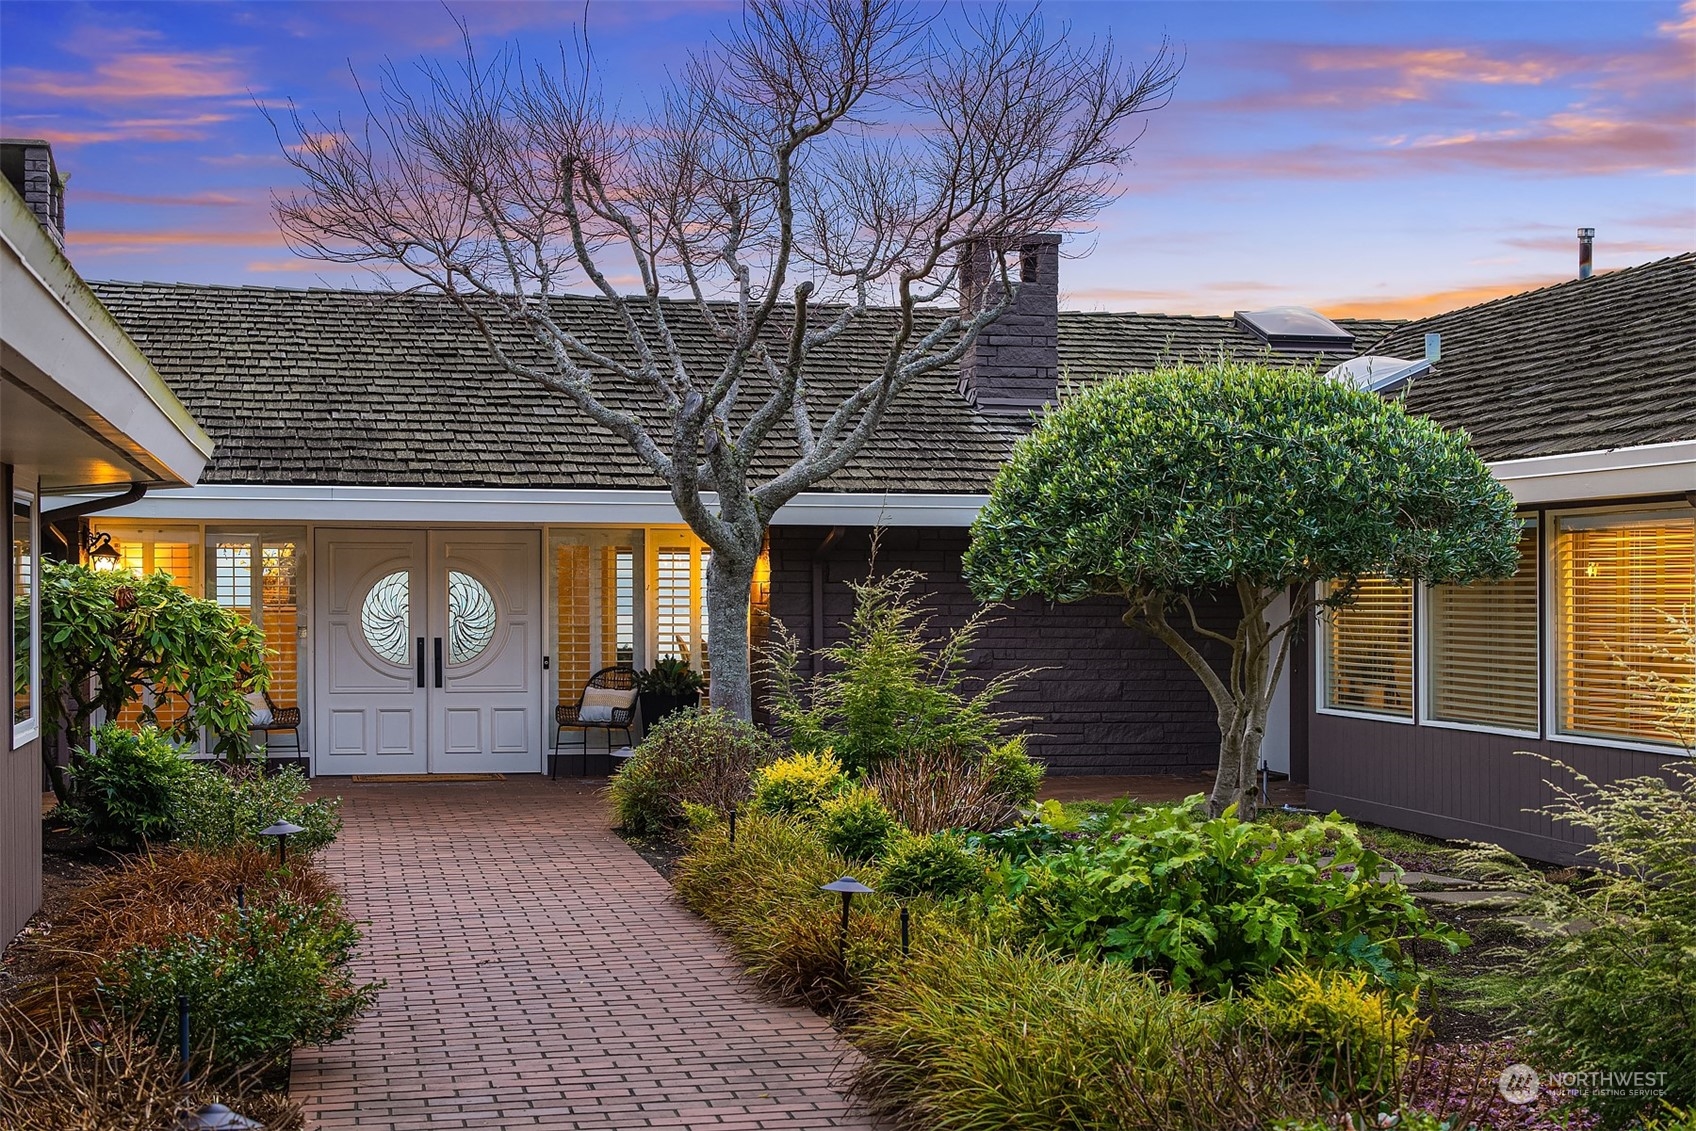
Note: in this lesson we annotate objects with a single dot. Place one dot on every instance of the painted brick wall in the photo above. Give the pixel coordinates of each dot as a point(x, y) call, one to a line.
point(1114, 700)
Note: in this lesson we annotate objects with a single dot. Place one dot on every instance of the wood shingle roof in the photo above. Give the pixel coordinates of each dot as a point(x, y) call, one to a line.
point(1585, 365)
point(341, 387)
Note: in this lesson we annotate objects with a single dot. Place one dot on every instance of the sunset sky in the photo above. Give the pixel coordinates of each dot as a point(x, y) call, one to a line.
point(1362, 158)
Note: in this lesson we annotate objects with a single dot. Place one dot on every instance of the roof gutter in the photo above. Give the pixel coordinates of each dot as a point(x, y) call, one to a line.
point(1648, 469)
point(51, 520)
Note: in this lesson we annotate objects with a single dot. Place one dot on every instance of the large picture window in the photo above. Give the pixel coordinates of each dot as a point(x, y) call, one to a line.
point(1368, 651)
point(1482, 654)
point(26, 675)
point(1624, 586)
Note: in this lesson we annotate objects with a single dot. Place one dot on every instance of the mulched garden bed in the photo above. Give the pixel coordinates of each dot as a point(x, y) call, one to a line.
point(69, 862)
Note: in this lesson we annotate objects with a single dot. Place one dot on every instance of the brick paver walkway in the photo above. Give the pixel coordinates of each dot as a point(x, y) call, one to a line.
point(541, 975)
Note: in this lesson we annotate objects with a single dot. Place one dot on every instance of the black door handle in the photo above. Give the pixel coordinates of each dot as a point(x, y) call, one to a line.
point(438, 661)
point(419, 652)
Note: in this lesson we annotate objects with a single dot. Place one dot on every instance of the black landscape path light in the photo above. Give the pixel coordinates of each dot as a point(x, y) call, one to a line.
point(849, 887)
point(282, 830)
point(903, 930)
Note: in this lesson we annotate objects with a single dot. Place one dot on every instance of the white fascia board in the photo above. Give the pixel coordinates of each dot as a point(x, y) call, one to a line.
point(1617, 473)
point(61, 342)
point(231, 503)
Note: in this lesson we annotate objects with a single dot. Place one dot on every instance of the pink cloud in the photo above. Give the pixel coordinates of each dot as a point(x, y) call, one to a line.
point(137, 76)
point(186, 200)
point(92, 242)
point(1570, 141)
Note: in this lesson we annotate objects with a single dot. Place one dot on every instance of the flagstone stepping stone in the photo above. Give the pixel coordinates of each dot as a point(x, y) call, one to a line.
point(1481, 898)
point(1421, 879)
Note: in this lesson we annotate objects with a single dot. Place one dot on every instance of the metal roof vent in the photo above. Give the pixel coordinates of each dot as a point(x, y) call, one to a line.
point(1295, 327)
point(1379, 374)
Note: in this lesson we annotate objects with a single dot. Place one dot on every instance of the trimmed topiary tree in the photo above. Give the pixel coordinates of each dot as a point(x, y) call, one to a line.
point(1235, 478)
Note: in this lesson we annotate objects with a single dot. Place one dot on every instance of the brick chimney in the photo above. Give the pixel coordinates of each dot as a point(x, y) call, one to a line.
point(1013, 368)
point(28, 164)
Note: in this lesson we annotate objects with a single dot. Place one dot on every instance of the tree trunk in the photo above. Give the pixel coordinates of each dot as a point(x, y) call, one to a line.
point(55, 772)
point(730, 580)
point(1239, 761)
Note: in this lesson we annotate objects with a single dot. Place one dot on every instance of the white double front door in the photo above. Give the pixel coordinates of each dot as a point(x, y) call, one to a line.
point(428, 651)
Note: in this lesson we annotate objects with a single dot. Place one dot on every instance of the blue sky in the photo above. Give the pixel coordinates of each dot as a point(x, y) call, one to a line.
point(1386, 157)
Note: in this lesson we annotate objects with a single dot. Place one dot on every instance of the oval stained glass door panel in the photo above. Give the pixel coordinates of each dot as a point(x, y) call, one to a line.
point(386, 616)
point(471, 617)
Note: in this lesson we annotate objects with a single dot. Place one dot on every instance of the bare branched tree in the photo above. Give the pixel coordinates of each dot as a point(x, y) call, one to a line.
point(825, 165)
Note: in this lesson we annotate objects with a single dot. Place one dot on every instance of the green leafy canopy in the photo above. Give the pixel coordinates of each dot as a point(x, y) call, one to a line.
point(111, 639)
point(1191, 478)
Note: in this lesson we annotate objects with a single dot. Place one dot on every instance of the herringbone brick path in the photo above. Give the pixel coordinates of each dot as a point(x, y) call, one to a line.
point(541, 975)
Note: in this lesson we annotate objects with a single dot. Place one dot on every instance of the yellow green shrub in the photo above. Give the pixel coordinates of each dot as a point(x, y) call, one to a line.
point(1351, 1034)
point(797, 786)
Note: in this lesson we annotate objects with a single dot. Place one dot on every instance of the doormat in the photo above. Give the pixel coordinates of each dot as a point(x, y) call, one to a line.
point(378, 779)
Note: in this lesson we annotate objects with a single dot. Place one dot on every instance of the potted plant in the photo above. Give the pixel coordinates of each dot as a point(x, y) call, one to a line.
point(670, 685)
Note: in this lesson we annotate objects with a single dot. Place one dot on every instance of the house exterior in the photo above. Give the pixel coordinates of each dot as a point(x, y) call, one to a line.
point(440, 553)
point(1418, 700)
point(379, 486)
point(81, 411)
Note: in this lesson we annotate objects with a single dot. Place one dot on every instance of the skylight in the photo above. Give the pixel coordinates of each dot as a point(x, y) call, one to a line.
point(1377, 373)
point(1294, 326)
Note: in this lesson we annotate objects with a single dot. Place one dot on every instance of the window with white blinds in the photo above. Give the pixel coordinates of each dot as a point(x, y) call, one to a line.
point(1624, 583)
point(1482, 654)
point(1368, 651)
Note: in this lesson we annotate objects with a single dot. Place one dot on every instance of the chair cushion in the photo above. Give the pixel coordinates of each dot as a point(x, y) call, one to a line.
point(599, 703)
point(261, 710)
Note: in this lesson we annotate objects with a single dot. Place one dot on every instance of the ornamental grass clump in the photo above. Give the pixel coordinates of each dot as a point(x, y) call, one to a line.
point(1214, 903)
point(990, 1037)
point(696, 757)
point(762, 893)
point(151, 901)
point(932, 788)
point(78, 1068)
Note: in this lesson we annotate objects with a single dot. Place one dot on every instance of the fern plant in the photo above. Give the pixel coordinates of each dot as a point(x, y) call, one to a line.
point(1612, 987)
point(897, 682)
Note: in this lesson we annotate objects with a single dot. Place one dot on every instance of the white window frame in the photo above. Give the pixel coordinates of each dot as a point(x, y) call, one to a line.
point(30, 729)
point(596, 537)
point(1322, 665)
point(673, 538)
point(258, 537)
point(1423, 650)
point(1551, 622)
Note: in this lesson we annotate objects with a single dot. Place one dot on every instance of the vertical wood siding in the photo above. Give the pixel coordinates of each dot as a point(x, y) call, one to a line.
point(1456, 783)
point(20, 776)
point(20, 836)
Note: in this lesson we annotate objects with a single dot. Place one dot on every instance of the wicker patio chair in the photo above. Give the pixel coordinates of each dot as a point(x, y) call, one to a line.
point(283, 719)
point(620, 680)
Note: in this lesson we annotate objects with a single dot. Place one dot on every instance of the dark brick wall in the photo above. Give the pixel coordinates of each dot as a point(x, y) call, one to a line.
point(1113, 700)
